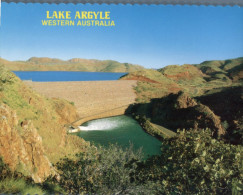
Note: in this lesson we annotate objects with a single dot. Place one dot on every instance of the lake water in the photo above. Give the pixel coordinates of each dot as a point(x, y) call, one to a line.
point(49, 76)
point(122, 130)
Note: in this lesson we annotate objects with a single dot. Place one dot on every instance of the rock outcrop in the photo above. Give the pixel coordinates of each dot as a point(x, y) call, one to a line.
point(21, 146)
point(65, 110)
point(227, 103)
point(180, 111)
point(184, 101)
point(32, 132)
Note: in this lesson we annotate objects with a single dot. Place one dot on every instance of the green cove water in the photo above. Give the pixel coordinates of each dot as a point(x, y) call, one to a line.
point(122, 130)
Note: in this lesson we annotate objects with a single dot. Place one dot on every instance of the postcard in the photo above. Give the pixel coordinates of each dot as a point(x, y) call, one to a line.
point(121, 99)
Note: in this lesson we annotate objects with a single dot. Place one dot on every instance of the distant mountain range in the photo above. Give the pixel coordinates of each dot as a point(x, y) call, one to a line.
point(75, 64)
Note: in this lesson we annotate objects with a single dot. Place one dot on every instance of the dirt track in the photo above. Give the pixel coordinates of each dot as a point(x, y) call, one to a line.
point(91, 97)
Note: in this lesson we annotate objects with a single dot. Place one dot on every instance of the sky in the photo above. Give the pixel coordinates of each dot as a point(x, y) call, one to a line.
point(153, 36)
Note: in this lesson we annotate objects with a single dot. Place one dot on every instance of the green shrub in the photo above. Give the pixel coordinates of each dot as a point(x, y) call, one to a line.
point(192, 162)
point(225, 124)
point(195, 163)
point(13, 186)
point(104, 171)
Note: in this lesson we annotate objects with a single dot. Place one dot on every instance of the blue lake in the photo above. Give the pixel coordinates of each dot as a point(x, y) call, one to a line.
point(49, 76)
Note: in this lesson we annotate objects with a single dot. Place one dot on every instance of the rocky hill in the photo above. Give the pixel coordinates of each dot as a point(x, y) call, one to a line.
point(182, 73)
point(76, 64)
point(151, 84)
point(207, 95)
point(32, 132)
point(179, 111)
point(195, 80)
point(223, 69)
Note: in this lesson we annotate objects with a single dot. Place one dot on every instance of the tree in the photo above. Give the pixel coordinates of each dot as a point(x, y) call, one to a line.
point(103, 171)
point(195, 163)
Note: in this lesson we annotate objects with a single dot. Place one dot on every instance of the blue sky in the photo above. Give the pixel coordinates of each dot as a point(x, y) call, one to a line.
point(152, 36)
